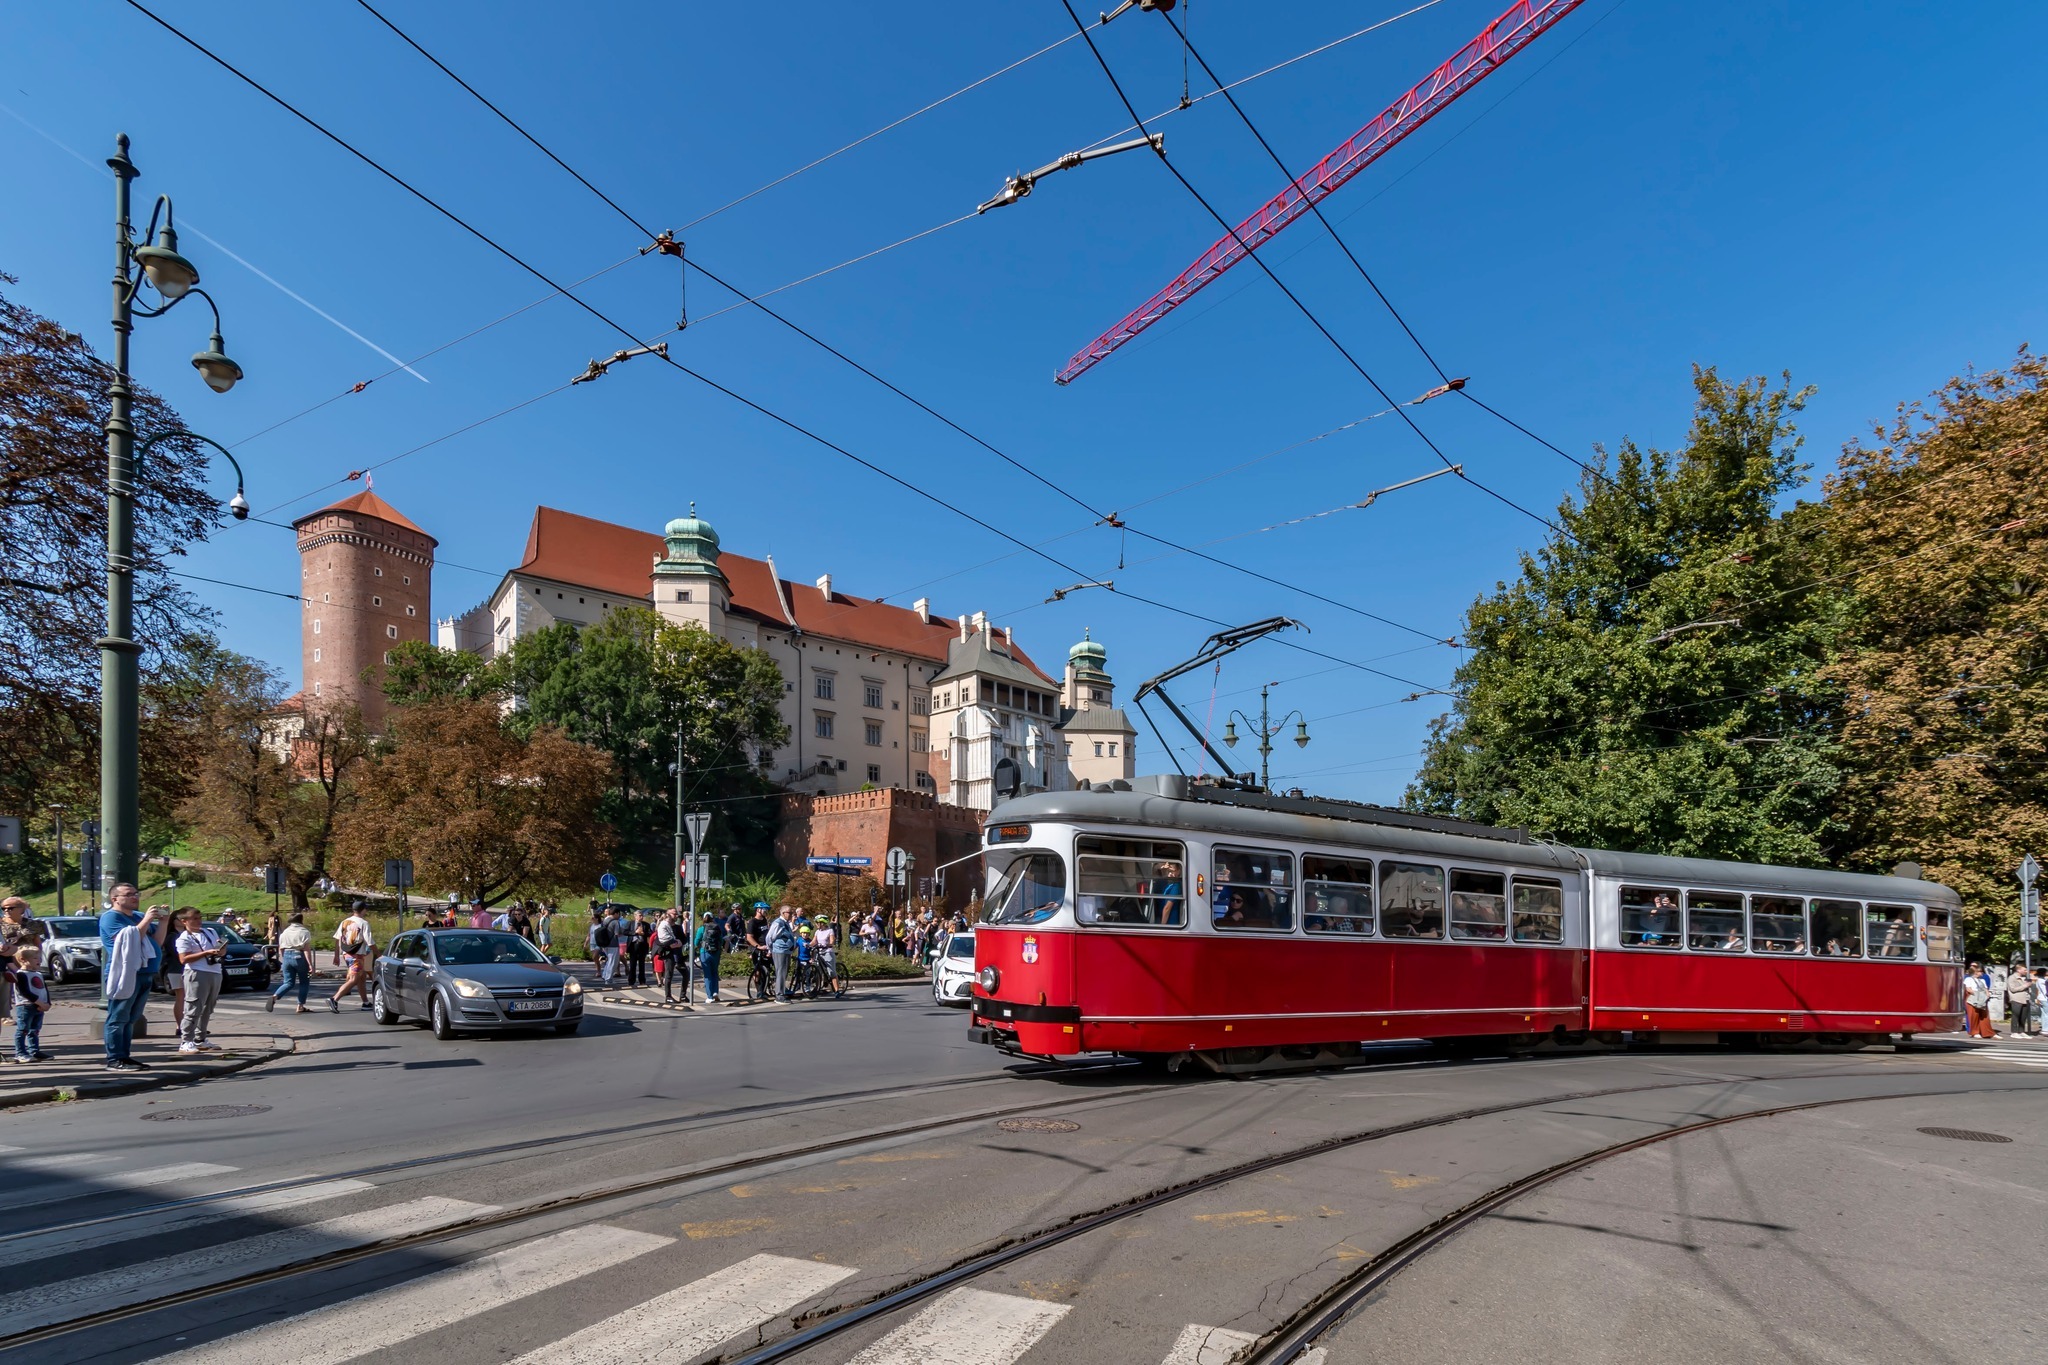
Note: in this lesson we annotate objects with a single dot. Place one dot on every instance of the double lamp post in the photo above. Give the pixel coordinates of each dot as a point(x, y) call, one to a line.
point(172, 279)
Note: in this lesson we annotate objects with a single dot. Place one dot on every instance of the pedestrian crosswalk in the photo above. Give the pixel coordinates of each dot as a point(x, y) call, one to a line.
point(2023, 1055)
point(727, 1309)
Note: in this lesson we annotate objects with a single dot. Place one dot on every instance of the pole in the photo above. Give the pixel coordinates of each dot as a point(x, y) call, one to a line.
point(57, 813)
point(1265, 743)
point(837, 872)
point(120, 671)
point(679, 817)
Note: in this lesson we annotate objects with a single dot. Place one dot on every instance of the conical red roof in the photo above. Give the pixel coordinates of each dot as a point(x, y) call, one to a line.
point(368, 504)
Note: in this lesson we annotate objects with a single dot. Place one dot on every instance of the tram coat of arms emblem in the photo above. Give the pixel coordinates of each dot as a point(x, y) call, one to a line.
point(1030, 949)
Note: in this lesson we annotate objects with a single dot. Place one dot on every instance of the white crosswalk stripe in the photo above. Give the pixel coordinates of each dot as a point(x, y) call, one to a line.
point(92, 1181)
point(1207, 1346)
point(967, 1327)
point(2018, 1056)
point(34, 1246)
point(391, 1317)
point(686, 1322)
point(44, 1304)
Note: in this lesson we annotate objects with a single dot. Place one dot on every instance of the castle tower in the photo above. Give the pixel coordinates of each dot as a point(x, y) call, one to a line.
point(689, 587)
point(1088, 683)
point(365, 573)
point(1100, 743)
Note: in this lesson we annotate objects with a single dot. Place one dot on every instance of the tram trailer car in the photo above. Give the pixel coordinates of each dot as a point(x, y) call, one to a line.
point(1177, 919)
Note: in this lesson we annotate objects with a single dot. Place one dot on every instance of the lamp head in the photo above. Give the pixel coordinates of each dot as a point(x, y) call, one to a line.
point(1301, 733)
point(1230, 733)
point(238, 506)
point(214, 366)
point(171, 273)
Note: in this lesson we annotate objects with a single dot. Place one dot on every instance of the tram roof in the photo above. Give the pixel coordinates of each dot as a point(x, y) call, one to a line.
point(1173, 802)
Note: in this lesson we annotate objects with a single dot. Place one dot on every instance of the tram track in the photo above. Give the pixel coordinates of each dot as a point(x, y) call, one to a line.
point(829, 1323)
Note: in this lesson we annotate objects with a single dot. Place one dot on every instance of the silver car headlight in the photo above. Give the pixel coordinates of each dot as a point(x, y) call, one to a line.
point(470, 990)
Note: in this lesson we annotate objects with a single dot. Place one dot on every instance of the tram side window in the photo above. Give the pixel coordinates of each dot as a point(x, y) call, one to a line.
point(1889, 930)
point(1837, 928)
point(1941, 937)
point(1777, 924)
point(1336, 895)
point(1479, 905)
point(1713, 921)
point(1411, 900)
point(1539, 911)
point(1649, 917)
point(1253, 889)
point(1032, 889)
point(1130, 881)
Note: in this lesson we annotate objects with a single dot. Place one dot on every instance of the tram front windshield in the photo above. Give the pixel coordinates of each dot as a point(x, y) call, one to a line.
point(1030, 890)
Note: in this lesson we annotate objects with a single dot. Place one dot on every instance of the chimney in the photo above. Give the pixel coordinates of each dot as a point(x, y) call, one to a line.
point(825, 585)
point(963, 630)
point(981, 623)
point(923, 607)
point(1008, 641)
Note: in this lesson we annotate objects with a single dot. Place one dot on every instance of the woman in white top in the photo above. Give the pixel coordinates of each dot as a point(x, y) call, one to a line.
point(296, 945)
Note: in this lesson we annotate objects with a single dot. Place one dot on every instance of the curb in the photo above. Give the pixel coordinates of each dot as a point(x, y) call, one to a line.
point(156, 1080)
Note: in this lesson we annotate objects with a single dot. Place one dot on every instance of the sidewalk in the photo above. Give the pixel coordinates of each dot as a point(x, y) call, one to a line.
point(71, 1030)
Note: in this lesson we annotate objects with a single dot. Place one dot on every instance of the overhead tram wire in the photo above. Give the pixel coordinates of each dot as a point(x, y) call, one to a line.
point(1224, 90)
point(1292, 297)
point(508, 254)
point(1101, 516)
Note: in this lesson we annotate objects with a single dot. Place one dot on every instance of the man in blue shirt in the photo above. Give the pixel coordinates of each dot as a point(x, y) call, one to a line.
point(122, 1013)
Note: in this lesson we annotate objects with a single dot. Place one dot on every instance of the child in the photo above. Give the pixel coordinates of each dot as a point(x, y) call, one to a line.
point(31, 1003)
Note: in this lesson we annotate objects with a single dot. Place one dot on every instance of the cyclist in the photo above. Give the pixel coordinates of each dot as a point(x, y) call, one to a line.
point(826, 939)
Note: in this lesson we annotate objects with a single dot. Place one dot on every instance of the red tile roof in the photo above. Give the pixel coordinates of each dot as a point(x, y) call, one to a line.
point(367, 503)
point(566, 548)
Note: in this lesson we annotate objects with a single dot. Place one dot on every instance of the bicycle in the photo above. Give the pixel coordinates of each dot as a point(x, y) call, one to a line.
point(761, 981)
point(832, 975)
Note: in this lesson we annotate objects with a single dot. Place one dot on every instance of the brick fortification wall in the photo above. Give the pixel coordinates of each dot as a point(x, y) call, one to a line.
point(867, 824)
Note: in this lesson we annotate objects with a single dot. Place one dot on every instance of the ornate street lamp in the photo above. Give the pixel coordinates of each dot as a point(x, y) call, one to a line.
point(1265, 729)
point(173, 279)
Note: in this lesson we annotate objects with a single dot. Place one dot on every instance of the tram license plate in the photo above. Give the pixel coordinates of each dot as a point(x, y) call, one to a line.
point(531, 1006)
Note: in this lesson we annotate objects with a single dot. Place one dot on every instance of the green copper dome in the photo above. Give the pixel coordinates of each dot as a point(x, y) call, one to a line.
point(690, 546)
point(1088, 649)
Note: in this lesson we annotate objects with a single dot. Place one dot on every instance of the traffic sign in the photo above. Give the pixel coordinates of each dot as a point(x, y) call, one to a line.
point(10, 834)
point(398, 872)
point(608, 883)
point(274, 882)
point(848, 867)
point(696, 870)
point(697, 821)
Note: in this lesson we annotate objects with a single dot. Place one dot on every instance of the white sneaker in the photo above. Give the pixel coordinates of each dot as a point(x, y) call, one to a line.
point(188, 1048)
point(209, 1047)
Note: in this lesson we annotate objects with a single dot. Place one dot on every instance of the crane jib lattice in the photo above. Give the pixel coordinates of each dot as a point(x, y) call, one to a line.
point(1523, 23)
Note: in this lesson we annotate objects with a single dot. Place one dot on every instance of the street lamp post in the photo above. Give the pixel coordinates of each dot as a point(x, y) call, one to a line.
point(57, 814)
point(174, 279)
point(1265, 730)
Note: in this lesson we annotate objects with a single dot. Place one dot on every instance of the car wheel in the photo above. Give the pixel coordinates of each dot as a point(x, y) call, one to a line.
point(437, 1017)
point(566, 1029)
point(58, 976)
point(381, 1010)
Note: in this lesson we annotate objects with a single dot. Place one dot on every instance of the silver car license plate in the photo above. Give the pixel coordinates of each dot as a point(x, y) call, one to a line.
point(531, 1006)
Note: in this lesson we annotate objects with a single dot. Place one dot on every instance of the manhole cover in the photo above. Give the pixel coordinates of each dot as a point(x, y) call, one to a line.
point(1965, 1135)
point(231, 1111)
point(1038, 1125)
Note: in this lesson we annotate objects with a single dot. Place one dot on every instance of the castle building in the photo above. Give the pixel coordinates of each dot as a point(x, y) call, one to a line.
point(862, 679)
point(365, 579)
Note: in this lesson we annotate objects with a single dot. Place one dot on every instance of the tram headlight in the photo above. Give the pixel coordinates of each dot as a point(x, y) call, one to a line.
point(988, 978)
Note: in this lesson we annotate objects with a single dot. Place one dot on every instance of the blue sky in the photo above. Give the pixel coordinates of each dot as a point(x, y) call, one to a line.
point(1839, 191)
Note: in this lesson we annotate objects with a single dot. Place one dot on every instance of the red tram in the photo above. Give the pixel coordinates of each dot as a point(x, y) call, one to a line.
point(1246, 930)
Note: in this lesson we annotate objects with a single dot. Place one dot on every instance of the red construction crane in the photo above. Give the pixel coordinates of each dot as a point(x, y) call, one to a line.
point(1524, 22)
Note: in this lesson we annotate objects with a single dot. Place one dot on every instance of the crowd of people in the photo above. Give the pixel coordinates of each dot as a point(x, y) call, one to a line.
point(2016, 997)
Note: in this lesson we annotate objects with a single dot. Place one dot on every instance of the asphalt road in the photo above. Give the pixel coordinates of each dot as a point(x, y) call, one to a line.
point(685, 1188)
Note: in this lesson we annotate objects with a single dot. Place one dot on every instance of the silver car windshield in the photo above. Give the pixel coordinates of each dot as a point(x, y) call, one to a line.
point(484, 949)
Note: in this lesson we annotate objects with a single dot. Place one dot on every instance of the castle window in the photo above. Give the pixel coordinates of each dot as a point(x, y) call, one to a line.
point(874, 772)
point(378, 572)
point(387, 656)
point(924, 779)
point(875, 733)
point(316, 689)
point(1097, 694)
point(376, 601)
point(326, 597)
point(823, 687)
point(391, 632)
point(316, 625)
point(1112, 748)
point(871, 695)
point(316, 656)
point(823, 726)
point(682, 594)
point(920, 705)
point(407, 580)
point(920, 741)
point(1098, 748)
point(412, 611)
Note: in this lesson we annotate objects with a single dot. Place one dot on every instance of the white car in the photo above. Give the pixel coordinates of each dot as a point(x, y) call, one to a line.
point(953, 971)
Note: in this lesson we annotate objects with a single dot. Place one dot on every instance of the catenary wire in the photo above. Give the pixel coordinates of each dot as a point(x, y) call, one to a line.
point(1098, 513)
point(1292, 297)
point(509, 255)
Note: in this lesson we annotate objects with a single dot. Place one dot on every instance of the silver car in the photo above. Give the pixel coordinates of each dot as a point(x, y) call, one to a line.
point(71, 948)
point(474, 981)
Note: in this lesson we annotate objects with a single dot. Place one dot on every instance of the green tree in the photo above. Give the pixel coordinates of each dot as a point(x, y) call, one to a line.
point(1653, 680)
point(1945, 672)
point(418, 672)
point(628, 686)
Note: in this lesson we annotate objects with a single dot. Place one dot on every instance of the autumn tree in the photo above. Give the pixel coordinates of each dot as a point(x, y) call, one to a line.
point(53, 535)
point(481, 810)
point(1653, 680)
point(819, 893)
point(272, 782)
point(1943, 528)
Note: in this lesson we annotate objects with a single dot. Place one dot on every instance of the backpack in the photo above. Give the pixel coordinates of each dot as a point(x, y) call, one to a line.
point(601, 933)
point(714, 937)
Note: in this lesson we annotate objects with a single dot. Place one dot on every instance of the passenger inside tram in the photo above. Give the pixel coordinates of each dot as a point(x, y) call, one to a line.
point(1411, 900)
point(1649, 917)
